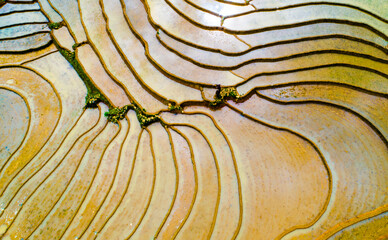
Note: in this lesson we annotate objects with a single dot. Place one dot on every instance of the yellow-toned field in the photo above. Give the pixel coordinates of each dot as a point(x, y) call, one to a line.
point(193, 119)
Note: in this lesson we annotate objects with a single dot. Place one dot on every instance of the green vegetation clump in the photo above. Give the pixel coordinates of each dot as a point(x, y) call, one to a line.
point(69, 55)
point(147, 119)
point(56, 25)
point(222, 20)
point(116, 114)
point(229, 92)
point(144, 118)
point(91, 100)
point(75, 45)
point(173, 107)
point(216, 102)
point(224, 93)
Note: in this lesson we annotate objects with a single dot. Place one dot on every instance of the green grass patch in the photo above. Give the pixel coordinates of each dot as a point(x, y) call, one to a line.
point(173, 107)
point(223, 94)
point(56, 25)
point(116, 114)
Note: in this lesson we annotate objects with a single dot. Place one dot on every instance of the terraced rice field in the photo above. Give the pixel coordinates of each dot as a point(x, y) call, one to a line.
point(193, 119)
